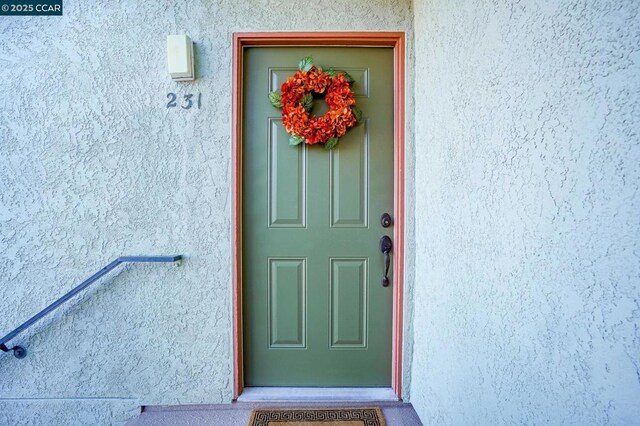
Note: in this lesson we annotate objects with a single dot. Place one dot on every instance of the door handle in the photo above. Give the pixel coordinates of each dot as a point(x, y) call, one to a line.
point(385, 247)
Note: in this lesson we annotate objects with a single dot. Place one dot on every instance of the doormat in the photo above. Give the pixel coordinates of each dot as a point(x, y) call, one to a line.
point(317, 417)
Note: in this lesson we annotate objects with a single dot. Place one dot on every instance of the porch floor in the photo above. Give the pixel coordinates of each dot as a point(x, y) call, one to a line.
point(238, 413)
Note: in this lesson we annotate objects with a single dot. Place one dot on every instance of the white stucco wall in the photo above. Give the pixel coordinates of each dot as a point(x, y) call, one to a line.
point(527, 212)
point(93, 166)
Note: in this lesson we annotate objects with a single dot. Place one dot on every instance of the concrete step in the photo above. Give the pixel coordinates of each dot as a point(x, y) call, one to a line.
point(238, 413)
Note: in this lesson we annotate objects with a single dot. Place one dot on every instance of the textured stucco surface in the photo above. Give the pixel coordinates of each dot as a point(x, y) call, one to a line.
point(93, 166)
point(528, 212)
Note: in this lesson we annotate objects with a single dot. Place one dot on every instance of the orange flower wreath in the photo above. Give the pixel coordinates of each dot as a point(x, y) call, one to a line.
point(296, 100)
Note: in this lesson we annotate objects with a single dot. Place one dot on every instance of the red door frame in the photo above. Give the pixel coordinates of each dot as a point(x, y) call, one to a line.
point(396, 40)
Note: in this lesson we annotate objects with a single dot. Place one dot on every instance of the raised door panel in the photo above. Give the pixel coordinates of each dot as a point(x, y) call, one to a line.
point(349, 180)
point(287, 303)
point(360, 86)
point(287, 180)
point(348, 303)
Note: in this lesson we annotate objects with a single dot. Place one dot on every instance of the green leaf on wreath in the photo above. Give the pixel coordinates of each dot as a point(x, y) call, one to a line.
point(307, 101)
point(276, 99)
point(331, 73)
point(295, 140)
point(305, 63)
point(331, 143)
point(357, 113)
point(347, 77)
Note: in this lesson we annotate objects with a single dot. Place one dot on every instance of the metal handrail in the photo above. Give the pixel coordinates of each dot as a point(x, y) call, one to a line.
point(20, 352)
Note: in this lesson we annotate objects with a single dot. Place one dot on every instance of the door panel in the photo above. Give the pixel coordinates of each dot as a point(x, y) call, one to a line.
point(349, 181)
point(315, 312)
point(287, 303)
point(349, 302)
point(287, 180)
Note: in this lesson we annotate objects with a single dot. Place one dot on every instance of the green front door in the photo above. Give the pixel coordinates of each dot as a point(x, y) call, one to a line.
point(315, 310)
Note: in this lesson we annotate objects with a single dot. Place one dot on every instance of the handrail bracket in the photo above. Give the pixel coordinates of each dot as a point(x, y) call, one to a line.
point(18, 351)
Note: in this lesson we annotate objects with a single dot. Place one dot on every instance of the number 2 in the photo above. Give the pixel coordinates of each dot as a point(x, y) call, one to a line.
point(172, 100)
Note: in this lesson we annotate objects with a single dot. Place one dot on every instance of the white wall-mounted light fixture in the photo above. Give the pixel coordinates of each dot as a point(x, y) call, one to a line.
point(180, 58)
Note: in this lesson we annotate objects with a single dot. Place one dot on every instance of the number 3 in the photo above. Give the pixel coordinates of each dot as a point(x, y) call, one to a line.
point(188, 100)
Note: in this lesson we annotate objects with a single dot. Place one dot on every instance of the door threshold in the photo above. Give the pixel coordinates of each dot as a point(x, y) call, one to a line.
point(286, 394)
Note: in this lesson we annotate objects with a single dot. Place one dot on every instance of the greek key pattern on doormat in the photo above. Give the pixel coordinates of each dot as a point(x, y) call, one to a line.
point(366, 416)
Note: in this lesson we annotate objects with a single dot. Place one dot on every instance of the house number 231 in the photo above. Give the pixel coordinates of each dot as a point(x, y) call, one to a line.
point(187, 102)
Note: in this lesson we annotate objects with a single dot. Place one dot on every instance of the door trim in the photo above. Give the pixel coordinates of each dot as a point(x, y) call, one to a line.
point(396, 40)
